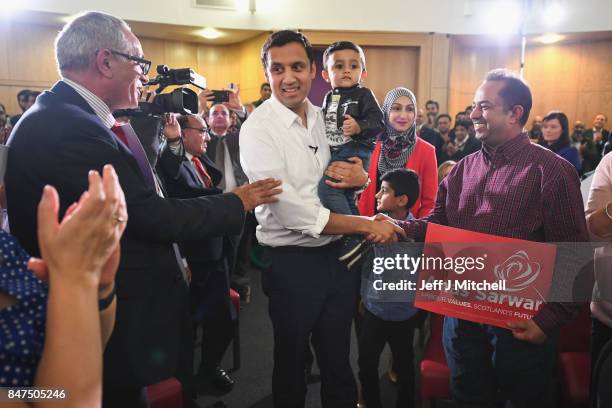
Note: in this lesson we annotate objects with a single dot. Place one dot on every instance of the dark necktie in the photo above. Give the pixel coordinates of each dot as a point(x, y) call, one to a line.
point(220, 161)
point(202, 171)
point(128, 137)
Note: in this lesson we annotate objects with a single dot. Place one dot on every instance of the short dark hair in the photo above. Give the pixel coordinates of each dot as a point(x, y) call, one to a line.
point(262, 86)
point(459, 113)
point(444, 115)
point(562, 118)
point(23, 93)
point(284, 37)
point(514, 92)
point(432, 102)
point(2, 107)
point(183, 121)
point(403, 182)
point(463, 123)
point(344, 45)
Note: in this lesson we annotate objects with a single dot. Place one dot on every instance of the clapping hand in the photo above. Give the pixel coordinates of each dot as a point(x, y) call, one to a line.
point(172, 129)
point(83, 248)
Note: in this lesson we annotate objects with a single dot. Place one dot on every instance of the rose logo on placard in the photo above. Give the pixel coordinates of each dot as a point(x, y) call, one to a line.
point(518, 271)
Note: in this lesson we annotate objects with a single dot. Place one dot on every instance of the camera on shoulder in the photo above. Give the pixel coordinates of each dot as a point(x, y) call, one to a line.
point(180, 100)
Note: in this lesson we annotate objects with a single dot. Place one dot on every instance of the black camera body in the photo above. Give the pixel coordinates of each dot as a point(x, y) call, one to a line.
point(181, 100)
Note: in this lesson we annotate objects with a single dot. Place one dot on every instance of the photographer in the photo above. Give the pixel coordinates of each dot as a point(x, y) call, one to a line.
point(230, 97)
point(69, 132)
point(187, 172)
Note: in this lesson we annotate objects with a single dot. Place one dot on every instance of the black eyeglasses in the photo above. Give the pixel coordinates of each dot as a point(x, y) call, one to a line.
point(144, 64)
point(201, 130)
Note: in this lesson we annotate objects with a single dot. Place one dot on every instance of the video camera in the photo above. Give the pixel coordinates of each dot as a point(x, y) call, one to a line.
point(181, 100)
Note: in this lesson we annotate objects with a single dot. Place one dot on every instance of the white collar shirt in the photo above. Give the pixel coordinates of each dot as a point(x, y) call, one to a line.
point(100, 108)
point(275, 143)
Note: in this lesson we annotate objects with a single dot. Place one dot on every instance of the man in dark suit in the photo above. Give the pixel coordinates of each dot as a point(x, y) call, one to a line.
point(463, 145)
point(187, 172)
point(224, 150)
point(593, 141)
point(68, 132)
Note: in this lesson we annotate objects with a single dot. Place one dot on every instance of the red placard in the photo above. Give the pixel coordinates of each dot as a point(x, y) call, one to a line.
point(483, 278)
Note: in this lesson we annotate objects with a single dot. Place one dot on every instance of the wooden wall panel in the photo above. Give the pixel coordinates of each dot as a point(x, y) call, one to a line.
point(390, 67)
point(575, 78)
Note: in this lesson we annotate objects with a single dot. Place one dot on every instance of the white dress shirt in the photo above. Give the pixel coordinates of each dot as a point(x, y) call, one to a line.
point(98, 105)
point(275, 143)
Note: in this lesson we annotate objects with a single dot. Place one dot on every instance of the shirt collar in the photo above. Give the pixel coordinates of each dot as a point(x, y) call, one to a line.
point(188, 155)
point(509, 149)
point(461, 143)
point(100, 108)
point(287, 116)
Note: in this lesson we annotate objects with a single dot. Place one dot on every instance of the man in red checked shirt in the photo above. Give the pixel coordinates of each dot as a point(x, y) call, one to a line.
point(516, 189)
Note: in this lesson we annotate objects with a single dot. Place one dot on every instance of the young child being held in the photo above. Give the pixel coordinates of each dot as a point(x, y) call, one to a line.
point(353, 119)
point(389, 322)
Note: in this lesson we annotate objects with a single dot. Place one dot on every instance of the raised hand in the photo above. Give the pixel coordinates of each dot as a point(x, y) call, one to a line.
point(172, 129)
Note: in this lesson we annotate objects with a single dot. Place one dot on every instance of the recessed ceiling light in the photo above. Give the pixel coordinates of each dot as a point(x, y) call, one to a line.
point(549, 38)
point(69, 19)
point(210, 33)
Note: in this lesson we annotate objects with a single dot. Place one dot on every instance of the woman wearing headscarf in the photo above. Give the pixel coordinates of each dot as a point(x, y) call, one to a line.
point(399, 147)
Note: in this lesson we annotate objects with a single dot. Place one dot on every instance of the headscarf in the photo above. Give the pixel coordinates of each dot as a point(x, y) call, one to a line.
point(396, 146)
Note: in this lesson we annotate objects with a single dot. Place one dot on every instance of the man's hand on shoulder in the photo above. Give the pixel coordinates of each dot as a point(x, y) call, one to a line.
point(259, 192)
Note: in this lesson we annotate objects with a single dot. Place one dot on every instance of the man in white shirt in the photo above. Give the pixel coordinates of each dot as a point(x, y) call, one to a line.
point(309, 290)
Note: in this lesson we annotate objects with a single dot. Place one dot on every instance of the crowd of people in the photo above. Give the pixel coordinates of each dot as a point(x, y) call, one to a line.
point(155, 220)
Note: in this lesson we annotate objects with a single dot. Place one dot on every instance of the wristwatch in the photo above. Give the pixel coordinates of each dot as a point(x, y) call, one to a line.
point(363, 188)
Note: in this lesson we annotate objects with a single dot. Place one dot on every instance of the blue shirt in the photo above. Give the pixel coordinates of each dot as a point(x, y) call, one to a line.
point(389, 311)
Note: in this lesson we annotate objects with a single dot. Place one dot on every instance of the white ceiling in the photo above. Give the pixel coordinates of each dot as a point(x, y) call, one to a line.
point(442, 16)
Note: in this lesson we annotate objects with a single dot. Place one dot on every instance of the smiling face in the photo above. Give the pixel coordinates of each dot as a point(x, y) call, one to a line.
point(494, 124)
point(290, 74)
point(127, 77)
point(219, 119)
point(460, 133)
point(402, 114)
point(551, 130)
point(444, 125)
point(599, 121)
point(344, 69)
point(265, 92)
point(195, 137)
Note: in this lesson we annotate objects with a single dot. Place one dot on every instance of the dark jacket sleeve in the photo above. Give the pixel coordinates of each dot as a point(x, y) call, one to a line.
point(68, 154)
point(171, 169)
point(326, 102)
point(370, 116)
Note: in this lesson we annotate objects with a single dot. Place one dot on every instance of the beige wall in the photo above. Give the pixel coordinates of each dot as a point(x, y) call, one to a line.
point(27, 61)
point(574, 78)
